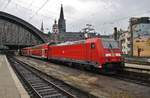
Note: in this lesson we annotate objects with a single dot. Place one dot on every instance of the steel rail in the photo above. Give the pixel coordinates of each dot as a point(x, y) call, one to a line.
point(42, 88)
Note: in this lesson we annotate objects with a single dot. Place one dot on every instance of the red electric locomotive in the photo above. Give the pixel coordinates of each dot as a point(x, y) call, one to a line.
point(103, 54)
point(95, 52)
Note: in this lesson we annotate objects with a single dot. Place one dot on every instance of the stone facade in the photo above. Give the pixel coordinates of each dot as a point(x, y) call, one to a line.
point(125, 42)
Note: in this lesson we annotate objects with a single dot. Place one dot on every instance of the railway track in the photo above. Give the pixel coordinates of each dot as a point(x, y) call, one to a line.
point(40, 85)
point(137, 77)
point(134, 77)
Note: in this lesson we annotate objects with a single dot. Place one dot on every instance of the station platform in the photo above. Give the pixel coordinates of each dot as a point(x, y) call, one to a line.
point(144, 67)
point(10, 86)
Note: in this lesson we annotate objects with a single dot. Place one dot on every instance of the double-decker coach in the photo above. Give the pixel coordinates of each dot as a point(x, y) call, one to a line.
point(25, 51)
point(38, 51)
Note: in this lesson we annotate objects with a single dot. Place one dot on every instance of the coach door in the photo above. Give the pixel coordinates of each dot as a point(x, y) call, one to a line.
point(43, 52)
point(28, 52)
point(49, 52)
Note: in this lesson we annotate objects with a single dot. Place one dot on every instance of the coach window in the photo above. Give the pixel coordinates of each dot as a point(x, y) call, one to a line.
point(46, 51)
point(92, 45)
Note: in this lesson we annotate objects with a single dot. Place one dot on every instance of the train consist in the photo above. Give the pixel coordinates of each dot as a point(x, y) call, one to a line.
point(103, 54)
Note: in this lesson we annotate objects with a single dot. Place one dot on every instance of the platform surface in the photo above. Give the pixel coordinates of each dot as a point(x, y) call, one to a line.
point(8, 85)
point(138, 66)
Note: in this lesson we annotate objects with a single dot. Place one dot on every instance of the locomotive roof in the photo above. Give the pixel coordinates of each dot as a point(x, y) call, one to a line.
point(75, 42)
point(71, 43)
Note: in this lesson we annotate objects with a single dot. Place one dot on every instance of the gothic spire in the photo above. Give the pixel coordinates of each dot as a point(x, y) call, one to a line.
point(42, 28)
point(55, 22)
point(61, 21)
point(61, 12)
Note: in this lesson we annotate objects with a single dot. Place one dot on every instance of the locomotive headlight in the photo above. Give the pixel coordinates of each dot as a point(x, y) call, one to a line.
point(118, 54)
point(107, 54)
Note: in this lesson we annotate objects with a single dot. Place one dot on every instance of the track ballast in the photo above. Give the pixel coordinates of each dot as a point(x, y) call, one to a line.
point(43, 86)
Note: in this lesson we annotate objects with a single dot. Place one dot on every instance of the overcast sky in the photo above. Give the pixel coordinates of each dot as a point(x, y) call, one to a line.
point(104, 15)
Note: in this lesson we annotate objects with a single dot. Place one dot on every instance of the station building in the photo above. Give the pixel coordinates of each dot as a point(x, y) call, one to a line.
point(140, 33)
point(125, 42)
point(136, 40)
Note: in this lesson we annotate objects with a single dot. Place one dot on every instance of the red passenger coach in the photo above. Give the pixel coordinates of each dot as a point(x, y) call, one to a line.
point(25, 51)
point(39, 51)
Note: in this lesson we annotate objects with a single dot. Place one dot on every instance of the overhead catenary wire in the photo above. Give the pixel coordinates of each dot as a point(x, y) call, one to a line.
point(20, 6)
point(2, 2)
point(9, 1)
point(39, 8)
point(31, 4)
point(47, 11)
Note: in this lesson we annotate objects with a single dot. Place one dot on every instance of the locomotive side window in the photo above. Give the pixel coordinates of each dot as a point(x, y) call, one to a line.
point(92, 45)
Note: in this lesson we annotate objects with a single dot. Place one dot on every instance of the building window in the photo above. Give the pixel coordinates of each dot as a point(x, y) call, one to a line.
point(128, 38)
point(137, 41)
point(129, 45)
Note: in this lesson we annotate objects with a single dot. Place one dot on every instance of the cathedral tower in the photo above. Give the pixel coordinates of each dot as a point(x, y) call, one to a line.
point(61, 21)
point(42, 28)
point(55, 27)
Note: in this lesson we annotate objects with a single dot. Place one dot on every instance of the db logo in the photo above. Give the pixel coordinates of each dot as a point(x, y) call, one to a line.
point(63, 51)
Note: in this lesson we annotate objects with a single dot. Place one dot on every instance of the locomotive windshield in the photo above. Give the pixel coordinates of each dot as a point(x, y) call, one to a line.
point(107, 43)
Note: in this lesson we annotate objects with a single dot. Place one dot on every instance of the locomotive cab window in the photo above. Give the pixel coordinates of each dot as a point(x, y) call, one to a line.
point(92, 45)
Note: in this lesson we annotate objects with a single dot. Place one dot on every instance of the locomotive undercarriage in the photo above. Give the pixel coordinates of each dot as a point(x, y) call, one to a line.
point(113, 67)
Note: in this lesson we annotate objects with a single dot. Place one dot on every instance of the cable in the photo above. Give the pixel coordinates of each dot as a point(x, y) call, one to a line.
point(47, 11)
point(49, 17)
point(40, 8)
point(2, 3)
point(9, 1)
point(31, 4)
point(103, 24)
